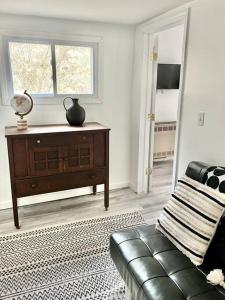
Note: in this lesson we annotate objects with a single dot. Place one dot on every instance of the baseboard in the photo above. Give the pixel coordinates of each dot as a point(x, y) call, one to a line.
point(133, 187)
point(118, 185)
point(61, 195)
point(5, 204)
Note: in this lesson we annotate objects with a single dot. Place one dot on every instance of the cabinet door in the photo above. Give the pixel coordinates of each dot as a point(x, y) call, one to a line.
point(44, 160)
point(79, 153)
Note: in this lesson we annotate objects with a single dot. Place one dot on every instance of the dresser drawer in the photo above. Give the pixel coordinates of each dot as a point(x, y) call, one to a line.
point(59, 140)
point(28, 187)
point(42, 185)
point(78, 179)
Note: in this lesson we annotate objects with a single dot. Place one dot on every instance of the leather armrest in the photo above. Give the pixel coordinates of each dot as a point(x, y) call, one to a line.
point(197, 171)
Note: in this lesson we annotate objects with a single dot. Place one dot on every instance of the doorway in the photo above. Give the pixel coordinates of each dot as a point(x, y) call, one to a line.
point(158, 101)
point(146, 76)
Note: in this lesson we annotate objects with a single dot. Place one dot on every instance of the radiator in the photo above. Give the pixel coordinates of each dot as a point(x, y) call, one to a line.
point(164, 140)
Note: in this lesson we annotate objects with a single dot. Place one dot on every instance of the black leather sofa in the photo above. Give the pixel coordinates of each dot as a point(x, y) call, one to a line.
point(153, 268)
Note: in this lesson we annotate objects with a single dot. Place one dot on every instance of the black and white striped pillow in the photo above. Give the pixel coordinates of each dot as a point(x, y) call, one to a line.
point(191, 216)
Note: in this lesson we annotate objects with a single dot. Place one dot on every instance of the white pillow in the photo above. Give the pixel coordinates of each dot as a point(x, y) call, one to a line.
point(190, 218)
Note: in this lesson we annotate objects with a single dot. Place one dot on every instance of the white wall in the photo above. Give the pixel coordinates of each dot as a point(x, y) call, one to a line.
point(204, 86)
point(166, 105)
point(170, 45)
point(113, 112)
point(204, 82)
point(169, 52)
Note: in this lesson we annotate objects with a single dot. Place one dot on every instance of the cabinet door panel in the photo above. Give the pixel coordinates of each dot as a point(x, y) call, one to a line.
point(78, 157)
point(46, 161)
point(20, 157)
point(51, 155)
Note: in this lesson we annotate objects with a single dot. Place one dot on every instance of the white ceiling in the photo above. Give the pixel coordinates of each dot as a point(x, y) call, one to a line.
point(112, 11)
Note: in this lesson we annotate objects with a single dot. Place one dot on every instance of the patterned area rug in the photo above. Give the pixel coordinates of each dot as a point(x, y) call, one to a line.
point(63, 262)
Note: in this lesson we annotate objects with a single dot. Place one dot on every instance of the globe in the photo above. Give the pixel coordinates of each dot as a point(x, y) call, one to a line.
point(22, 104)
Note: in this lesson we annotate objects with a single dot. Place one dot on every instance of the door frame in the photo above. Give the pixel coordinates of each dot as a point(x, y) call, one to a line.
point(164, 22)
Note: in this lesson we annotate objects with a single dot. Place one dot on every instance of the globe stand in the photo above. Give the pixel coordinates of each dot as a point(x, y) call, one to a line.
point(22, 104)
point(21, 124)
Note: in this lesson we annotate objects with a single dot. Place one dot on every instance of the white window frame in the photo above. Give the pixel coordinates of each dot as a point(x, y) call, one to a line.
point(6, 80)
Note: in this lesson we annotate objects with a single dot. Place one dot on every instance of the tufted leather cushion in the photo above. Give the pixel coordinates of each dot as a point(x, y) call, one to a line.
point(153, 268)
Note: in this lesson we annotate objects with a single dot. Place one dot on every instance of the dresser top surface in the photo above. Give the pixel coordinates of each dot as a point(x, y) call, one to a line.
point(53, 128)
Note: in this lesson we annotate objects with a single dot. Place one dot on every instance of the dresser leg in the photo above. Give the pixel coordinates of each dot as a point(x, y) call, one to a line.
point(94, 189)
point(15, 213)
point(106, 195)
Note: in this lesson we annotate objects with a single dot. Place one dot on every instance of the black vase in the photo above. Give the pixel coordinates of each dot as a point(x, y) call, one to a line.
point(75, 114)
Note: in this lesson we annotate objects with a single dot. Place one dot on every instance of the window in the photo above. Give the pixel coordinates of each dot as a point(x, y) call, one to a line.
point(31, 68)
point(74, 67)
point(51, 69)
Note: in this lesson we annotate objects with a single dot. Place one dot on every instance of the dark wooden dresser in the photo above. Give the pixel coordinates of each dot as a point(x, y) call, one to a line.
point(52, 158)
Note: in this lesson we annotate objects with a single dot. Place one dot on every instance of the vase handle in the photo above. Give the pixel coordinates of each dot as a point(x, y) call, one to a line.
point(64, 103)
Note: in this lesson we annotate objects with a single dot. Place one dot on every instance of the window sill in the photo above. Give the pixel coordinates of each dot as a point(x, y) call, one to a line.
point(59, 100)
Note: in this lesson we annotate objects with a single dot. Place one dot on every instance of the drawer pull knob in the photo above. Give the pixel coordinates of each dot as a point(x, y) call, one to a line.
point(33, 185)
point(38, 141)
point(92, 176)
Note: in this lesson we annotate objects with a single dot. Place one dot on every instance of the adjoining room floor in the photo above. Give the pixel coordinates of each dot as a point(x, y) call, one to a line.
point(162, 173)
point(90, 206)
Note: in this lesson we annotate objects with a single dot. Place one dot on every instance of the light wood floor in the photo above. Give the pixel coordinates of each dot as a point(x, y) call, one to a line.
point(90, 206)
point(162, 173)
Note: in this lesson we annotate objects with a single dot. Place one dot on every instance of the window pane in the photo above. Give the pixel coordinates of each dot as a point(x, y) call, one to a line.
point(31, 67)
point(74, 69)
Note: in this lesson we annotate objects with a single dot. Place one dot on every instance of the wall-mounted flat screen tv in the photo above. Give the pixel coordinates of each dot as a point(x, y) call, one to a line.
point(168, 76)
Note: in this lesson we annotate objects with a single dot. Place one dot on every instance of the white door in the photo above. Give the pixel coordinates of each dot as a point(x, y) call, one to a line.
point(150, 109)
